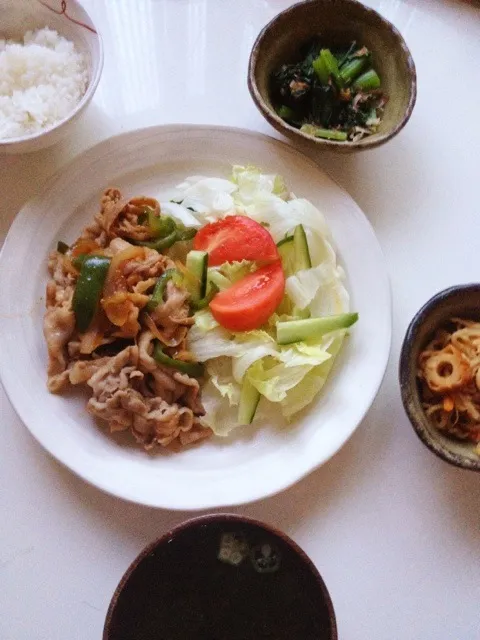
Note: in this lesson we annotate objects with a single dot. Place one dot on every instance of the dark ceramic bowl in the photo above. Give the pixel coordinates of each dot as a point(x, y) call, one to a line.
point(221, 577)
point(335, 22)
point(462, 301)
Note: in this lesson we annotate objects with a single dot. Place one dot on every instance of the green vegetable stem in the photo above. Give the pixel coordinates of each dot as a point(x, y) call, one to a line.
point(352, 69)
point(326, 65)
point(368, 81)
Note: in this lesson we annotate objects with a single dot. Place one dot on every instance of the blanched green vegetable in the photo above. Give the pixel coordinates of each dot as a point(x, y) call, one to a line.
point(333, 94)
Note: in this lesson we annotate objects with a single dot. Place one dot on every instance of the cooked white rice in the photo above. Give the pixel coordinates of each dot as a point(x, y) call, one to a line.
point(41, 82)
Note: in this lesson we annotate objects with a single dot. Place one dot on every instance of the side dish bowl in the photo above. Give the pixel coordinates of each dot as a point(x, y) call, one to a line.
point(458, 301)
point(71, 21)
point(220, 576)
point(335, 22)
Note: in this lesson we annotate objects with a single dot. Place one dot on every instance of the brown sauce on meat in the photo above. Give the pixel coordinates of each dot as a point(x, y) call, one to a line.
point(258, 588)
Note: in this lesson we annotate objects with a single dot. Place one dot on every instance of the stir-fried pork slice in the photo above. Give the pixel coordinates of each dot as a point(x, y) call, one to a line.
point(58, 326)
point(58, 323)
point(119, 217)
point(130, 390)
point(167, 383)
point(82, 370)
point(114, 398)
point(117, 400)
point(172, 318)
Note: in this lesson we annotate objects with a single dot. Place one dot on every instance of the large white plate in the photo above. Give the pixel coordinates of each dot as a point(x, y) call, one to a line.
point(251, 464)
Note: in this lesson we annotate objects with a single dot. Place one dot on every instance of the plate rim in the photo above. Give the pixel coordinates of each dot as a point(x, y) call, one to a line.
point(206, 503)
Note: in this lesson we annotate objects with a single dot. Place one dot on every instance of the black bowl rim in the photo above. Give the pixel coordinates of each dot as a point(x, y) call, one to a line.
point(192, 523)
point(405, 365)
point(366, 143)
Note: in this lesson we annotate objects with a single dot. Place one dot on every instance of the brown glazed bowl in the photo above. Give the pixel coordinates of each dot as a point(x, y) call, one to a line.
point(221, 577)
point(335, 22)
point(462, 301)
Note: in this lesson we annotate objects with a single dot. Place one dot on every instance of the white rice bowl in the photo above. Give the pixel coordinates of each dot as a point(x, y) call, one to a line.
point(41, 82)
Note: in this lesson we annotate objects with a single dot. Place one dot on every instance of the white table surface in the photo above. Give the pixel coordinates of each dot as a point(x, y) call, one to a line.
point(394, 531)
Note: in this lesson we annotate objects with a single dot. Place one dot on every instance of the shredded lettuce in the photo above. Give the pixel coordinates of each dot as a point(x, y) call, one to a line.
point(250, 182)
point(303, 394)
point(211, 197)
point(304, 354)
point(180, 213)
point(255, 346)
point(235, 271)
point(220, 373)
point(273, 381)
point(303, 287)
point(288, 376)
point(204, 321)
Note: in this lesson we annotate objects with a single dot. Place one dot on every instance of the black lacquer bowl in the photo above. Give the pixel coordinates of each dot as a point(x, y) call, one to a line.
point(221, 577)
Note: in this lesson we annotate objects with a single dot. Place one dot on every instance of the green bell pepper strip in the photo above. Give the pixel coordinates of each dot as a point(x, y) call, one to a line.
point(177, 235)
point(186, 233)
point(88, 289)
point(160, 226)
point(161, 243)
point(193, 369)
point(205, 301)
point(79, 260)
point(157, 295)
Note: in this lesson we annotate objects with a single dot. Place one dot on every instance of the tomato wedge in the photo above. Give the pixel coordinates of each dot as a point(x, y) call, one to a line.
point(236, 238)
point(249, 303)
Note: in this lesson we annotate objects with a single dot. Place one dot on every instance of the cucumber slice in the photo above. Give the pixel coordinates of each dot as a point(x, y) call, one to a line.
point(249, 399)
point(286, 250)
point(197, 264)
point(302, 254)
point(298, 330)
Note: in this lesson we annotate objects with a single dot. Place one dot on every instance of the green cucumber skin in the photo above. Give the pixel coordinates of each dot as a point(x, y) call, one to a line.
point(302, 253)
point(249, 399)
point(197, 264)
point(284, 241)
point(300, 330)
point(286, 249)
